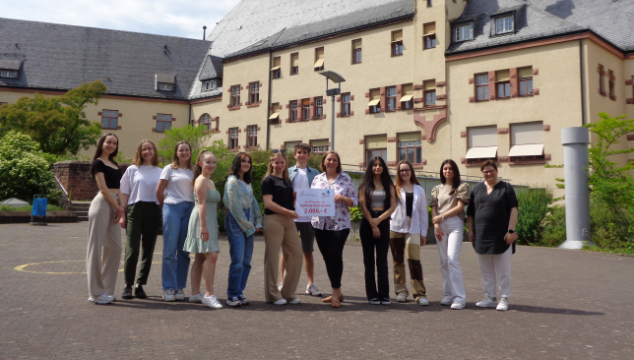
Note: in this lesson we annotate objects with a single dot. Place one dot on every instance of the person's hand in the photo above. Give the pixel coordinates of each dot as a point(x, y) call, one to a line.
point(437, 219)
point(122, 222)
point(510, 238)
point(376, 232)
point(423, 240)
point(292, 214)
point(472, 237)
point(374, 222)
point(204, 233)
point(340, 198)
point(438, 231)
point(120, 211)
point(258, 229)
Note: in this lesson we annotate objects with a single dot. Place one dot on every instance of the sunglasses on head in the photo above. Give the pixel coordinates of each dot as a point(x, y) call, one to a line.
point(281, 151)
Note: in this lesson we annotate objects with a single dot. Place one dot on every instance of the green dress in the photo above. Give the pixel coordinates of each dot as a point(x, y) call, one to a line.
point(193, 242)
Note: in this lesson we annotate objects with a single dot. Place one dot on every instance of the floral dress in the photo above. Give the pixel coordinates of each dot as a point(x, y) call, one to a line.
point(342, 185)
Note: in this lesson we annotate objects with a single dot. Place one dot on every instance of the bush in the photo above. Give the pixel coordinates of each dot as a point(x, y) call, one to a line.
point(554, 227)
point(533, 207)
point(606, 232)
point(24, 171)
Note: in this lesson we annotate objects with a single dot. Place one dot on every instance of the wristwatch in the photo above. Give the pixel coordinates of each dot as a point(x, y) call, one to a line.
point(511, 231)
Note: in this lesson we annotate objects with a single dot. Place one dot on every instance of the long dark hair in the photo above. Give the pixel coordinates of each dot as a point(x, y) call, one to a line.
point(368, 183)
point(99, 150)
point(236, 164)
point(456, 175)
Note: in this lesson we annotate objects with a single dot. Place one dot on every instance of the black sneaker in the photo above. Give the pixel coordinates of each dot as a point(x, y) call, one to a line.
point(243, 300)
point(138, 292)
point(127, 293)
point(386, 301)
point(234, 301)
point(375, 301)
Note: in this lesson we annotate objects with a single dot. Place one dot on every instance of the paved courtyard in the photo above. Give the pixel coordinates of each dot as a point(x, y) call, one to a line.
point(565, 305)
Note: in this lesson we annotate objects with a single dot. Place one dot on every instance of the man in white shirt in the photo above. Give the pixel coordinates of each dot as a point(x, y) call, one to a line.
point(302, 177)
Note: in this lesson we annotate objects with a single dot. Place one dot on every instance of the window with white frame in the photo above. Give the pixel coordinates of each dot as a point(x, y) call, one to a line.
point(482, 143)
point(252, 136)
point(205, 121)
point(208, 85)
point(293, 111)
point(406, 100)
point(375, 101)
point(235, 95)
point(525, 76)
point(319, 146)
point(11, 74)
point(503, 24)
point(375, 146)
point(527, 141)
point(233, 139)
point(254, 92)
point(391, 98)
point(482, 87)
point(463, 32)
point(109, 119)
point(319, 107)
point(163, 122)
point(165, 87)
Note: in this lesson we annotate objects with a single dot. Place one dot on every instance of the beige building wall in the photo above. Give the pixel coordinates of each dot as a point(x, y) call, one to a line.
point(556, 70)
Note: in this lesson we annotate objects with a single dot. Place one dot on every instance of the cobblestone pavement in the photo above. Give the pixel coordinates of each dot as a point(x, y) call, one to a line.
point(565, 305)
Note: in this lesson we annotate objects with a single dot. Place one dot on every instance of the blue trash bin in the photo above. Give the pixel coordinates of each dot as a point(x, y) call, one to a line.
point(39, 209)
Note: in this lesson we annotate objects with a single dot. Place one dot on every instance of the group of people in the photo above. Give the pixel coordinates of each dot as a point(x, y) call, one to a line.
point(183, 200)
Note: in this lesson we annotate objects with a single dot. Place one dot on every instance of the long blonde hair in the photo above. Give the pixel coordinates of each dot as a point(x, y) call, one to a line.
point(138, 158)
point(270, 170)
point(412, 178)
point(198, 170)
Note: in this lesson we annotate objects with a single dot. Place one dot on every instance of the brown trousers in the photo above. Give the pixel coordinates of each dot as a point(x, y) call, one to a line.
point(410, 244)
point(280, 232)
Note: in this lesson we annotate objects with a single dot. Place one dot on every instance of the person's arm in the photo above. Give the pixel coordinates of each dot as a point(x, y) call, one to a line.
point(449, 213)
point(160, 191)
point(273, 206)
point(423, 221)
point(258, 214)
point(232, 202)
point(200, 187)
point(103, 189)
point(348, 195)
point(471, 211)
point(510, 238)
point(362, 205)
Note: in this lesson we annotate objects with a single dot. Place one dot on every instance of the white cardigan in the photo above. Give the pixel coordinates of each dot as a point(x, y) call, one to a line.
point(419, 222)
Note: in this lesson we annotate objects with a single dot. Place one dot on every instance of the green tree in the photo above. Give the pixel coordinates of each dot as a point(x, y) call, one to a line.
point(195, 136)
point(23, 169)
point(57, 123)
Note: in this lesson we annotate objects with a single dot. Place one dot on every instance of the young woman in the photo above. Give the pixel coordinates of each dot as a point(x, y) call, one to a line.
point(332, 232)
point(104, 236)
point(377, 200)
point(243, 219)
point(492, 216)
point(175, 193)
point(280, 232)
point(143, 216)
point(447, 205)
point(202, 233)
point(408, 232)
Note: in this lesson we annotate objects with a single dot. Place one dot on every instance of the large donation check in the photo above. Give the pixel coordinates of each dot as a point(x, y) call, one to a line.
point(315, 202)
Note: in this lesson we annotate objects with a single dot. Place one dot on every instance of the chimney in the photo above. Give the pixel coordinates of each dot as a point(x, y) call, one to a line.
point(204, 31)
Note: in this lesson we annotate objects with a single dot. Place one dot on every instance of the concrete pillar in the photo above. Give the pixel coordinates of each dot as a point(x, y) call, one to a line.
point(575, 141)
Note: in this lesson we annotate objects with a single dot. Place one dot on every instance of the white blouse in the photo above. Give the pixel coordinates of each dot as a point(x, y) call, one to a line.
point(140, 182)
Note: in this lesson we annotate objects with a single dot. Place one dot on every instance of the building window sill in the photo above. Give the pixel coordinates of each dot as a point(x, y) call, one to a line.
point(234, 107)
point(254, 105)
point(477, 162)
point(107, 128)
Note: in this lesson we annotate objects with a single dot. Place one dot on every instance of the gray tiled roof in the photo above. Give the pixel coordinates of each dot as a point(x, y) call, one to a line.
point(610, 19)
point(212, 68)
point(62, 57)
point(252, 21)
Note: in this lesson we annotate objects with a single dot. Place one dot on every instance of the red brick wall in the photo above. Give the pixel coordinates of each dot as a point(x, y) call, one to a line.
point(75, 178)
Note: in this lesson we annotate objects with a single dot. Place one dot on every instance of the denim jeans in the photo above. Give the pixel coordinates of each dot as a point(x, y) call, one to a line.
point(241, 251)
point(175, 260)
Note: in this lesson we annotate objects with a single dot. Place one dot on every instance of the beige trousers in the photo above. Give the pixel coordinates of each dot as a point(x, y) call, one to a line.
point(402, 245)
point(104, 247)
point(280, 232)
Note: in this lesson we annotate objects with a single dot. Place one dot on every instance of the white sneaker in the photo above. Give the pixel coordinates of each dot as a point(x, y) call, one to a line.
point(294, 301)
point(312, 290)
point(280, 302)
point(487, 302)
point(168, 295)
point(446, 301)
point(279, 286)
point(401, 297)
point(503, 305)
point(423, 301)
point(198, 298)
point(179, 295)
point(91, 299)
point(103, 299)
point(212, 302)
point(457, 305)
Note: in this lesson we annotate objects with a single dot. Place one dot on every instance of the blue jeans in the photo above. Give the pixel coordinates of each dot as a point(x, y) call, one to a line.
point(241, 251)
point(175, 260)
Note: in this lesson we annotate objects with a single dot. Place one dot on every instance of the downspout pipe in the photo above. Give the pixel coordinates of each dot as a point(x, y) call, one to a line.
point(582, 74)
point(268, 111)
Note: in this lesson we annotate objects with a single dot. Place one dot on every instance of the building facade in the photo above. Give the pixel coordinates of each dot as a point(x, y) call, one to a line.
point(425, 80)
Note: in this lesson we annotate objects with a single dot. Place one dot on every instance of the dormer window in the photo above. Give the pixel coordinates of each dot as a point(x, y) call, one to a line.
point(166, 87)
point(165, 82)
point(9, 68)
point(208, 85)
point(463, 32)
point(503, 24)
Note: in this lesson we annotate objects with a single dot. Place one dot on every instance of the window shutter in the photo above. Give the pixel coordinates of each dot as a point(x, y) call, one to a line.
point(514, 84)
point(338, 98)
point(351, 97)
point(351, 113)
point(154, 117)
point(471, 81)
point(338, 114)
point(324, 100)
point(99, 113)
point(492, 85)
point(120, 114)
point(383, 99)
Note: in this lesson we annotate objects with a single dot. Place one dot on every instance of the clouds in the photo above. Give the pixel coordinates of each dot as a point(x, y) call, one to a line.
point(183, 18)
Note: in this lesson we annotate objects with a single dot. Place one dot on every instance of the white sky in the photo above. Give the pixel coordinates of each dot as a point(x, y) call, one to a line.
point(184, 18)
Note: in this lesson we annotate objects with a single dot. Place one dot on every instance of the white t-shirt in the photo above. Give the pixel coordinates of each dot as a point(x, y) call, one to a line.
point(249, 187)
point(179, 185)
point(140, 182)
point(301, 182)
